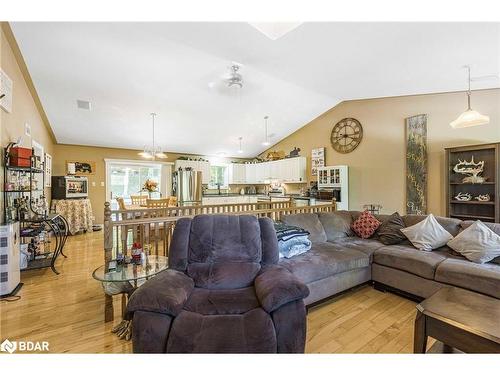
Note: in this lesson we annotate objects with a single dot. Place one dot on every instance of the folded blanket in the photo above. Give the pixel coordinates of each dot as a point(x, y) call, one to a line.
point(285, 232)
point(294, 246)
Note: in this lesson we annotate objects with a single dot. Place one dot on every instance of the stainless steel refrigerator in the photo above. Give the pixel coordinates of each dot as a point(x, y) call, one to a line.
point(187, 187)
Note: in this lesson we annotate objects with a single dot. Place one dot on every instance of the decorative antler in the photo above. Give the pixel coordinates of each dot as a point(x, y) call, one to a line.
point(470, 169)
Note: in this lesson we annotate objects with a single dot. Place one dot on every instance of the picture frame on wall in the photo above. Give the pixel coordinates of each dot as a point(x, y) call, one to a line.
point(317, 160)
point(80, 167)
point(48, 170)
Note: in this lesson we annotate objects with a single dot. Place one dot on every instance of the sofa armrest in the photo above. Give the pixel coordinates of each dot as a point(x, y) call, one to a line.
point(166, 293)
point(276, 286)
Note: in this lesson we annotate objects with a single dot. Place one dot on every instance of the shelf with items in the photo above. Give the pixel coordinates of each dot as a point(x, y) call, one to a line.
point(472, 190)
point(24, 181)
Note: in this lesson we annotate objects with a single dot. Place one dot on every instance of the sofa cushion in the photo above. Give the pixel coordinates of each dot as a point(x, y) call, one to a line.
point(482, 278)
point(389, 232)
point(477, 243)
point(336, 224)
point(409, 259)
point(251, 332)
point(367, 246)
point(427, 234)
point(324, 260)
point(220, 302)
point(365, 225)
point(493, 226)
point(309, 222)
point(452, 225)
point(224, 251)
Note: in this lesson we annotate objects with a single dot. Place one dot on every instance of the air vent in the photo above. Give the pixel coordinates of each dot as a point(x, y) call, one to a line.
point(83, 104)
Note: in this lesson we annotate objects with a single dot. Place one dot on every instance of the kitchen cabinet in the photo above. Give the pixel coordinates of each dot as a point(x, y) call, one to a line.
point(263, 173)
point(237, 174)
point(202, 166)
point(292, 170)
point(250, 173)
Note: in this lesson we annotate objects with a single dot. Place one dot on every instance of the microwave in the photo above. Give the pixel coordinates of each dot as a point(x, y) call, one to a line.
point(69, 187)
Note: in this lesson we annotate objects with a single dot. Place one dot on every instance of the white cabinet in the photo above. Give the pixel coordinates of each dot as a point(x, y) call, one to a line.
point(202, 166)
point(250, 173)
point(295, 169)
point(237, 174)
point(336, 178)
point(263, 173)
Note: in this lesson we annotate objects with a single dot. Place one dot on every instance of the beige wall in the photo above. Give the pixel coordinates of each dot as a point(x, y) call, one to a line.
point(25, 107)
point(377, 166)
point(97, 193)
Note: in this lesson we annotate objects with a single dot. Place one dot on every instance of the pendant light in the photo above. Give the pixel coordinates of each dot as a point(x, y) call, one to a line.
point(266, 136)
point(469, 117)
point(153, 151)
point(240, 150)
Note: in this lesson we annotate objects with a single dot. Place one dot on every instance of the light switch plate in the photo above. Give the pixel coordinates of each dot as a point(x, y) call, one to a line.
point(93, 183)
point(27, 129)
point(102, 183)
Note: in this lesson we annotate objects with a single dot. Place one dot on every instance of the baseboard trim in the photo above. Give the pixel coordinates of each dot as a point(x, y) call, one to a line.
point(386, 288)
point(319, 302)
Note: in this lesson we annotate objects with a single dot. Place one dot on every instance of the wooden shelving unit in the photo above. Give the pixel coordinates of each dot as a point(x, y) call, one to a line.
point(473, 210)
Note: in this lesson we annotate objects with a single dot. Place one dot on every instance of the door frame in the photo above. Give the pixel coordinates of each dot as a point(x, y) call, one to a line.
point(166, 168)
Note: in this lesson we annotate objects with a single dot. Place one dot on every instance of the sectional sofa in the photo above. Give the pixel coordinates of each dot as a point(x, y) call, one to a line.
point(339, 260)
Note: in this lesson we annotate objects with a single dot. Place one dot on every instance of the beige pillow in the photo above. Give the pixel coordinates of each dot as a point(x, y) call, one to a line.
point(428, 234)
point(478, 243)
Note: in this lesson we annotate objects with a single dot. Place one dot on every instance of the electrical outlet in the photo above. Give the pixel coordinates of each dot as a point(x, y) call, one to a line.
point(102, 183)
point(93, 183)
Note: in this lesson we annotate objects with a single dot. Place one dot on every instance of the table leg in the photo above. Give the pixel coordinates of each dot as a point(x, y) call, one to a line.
point(420, 334)
point(108, 308)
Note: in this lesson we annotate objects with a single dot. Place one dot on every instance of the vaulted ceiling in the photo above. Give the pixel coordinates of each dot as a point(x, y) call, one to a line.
point(127, 70)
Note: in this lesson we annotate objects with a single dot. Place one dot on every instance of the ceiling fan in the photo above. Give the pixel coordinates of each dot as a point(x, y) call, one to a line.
point(232, 80)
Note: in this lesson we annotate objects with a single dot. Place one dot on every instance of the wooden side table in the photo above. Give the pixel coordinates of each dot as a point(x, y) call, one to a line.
point(460, 319)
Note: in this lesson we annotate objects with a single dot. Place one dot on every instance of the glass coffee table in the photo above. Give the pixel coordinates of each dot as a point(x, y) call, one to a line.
point(124, 280)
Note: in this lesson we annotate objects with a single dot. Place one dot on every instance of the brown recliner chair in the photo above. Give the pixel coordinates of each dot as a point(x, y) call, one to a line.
point(223, 293)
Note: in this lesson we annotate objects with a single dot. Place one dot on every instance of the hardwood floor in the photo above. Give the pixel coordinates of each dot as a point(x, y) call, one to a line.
point(67, 311)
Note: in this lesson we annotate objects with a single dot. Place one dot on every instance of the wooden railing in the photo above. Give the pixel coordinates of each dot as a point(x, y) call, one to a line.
point(154, 227)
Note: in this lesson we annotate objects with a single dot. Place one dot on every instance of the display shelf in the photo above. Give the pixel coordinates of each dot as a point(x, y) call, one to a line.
point(477, 217)
point(470, 183)
point(489, 203)
point(473, 209)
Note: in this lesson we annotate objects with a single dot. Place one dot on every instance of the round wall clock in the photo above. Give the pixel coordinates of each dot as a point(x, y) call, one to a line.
point(346, 135)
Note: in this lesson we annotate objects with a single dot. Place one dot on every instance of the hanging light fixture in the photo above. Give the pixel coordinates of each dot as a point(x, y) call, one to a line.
point(240, 150)
point(266, 136)
point(469, 117)
point(153, 151)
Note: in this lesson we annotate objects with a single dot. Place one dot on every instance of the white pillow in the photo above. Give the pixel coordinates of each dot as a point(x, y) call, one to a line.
point(478, 243)
point(428, 234)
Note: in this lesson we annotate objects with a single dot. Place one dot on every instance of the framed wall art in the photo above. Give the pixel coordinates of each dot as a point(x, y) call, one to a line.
point(317, 160)
point(416, 165)
point(80, 167)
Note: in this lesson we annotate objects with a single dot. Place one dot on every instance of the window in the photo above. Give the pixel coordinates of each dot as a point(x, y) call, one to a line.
point(218, 176)
point(126, 180)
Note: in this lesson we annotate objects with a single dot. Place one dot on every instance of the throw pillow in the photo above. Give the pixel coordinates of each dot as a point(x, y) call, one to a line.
point(478, 243)
point(428, 234)
point(365, 225)
point(389, 232)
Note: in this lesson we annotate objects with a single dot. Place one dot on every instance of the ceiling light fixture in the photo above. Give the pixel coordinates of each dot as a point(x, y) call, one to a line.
point(275, 30)
point(469, 117)
point(154, 151)
point(266, 135)
point(240, 150)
